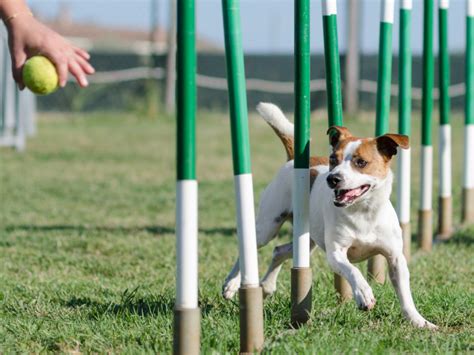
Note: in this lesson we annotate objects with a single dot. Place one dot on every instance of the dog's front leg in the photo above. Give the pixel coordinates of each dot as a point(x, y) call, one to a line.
point(400, 277)
point(337, 259)
point(232, 282)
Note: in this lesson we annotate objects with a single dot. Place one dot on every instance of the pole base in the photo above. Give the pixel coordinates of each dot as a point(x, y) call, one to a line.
point(187, 331)
point(343, 288)
point(445, 218)
point(376, 269)
point(251, 319)
point(301, 295)
point(406, 235)
point(467, 206)
point(425, 230)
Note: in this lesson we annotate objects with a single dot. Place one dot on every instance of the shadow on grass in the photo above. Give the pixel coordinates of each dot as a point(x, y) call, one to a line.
point(157, 230)
point(130, 304)
point(463, 236)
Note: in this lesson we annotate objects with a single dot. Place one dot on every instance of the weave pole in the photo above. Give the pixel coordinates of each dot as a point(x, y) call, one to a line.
point(445, 204)
point(187, 315)
point(334, 96)
point(301, 278)
point(404, 122)
point(250, 292)
point(376, 266)
point(468, 179)
point(425, 224)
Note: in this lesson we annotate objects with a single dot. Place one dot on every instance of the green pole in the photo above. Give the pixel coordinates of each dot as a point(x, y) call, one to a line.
point(334, 96)
point(444, 101)
point(445, 224)
point(404, 122)
point(376, 265)
point(302, 78)
point(404, 72)
point(187, 316)
point(186, 91)
point(250, 292)
point(237, 90)
point(425, 227)
point(384, 78)
point(428, 73)
point(468, 179)
point(333, 70)
point(301, 279)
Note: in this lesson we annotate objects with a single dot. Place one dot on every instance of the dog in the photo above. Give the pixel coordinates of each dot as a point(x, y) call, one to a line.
point(351, 216)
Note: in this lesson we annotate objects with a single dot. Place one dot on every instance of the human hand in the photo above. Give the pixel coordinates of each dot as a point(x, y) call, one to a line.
point(29, 37)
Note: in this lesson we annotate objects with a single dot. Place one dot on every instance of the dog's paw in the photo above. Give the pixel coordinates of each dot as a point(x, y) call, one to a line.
point(268, 288)
point(423, 323)
point(364, 298)
point(230, 288)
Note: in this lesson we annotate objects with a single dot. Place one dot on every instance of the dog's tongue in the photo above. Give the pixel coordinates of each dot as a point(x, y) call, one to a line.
point(353, 193)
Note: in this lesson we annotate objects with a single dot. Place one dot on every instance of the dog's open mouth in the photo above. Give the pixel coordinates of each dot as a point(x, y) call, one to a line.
point(345, 197)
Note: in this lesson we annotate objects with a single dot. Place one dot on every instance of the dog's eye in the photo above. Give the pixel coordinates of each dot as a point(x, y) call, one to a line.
point(332, 159)
point(360, 163)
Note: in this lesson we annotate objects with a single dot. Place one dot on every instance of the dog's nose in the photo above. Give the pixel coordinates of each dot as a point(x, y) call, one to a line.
point(333, 180)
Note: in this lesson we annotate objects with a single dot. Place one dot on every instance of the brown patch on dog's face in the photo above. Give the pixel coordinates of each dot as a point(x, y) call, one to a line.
point(367, 159)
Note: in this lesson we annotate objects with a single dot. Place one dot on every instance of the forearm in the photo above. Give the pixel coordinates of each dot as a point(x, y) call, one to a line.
point(10, 9)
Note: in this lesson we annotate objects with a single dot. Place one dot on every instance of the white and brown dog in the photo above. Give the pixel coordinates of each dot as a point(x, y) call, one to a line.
point(351, 216)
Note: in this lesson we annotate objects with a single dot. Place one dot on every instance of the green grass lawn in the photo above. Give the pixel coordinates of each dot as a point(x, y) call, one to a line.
point(87, 247)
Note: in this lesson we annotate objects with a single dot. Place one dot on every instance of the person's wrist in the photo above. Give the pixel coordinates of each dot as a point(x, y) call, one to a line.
point(18, 18)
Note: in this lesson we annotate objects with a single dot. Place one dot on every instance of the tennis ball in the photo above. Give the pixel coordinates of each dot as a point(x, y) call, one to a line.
point(40, 76)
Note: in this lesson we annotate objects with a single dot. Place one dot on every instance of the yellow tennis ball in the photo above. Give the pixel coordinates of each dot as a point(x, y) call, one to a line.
point(40, 76)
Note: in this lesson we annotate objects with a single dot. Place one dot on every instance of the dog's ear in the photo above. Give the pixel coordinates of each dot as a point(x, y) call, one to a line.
point(388, 143)
point(337, 134)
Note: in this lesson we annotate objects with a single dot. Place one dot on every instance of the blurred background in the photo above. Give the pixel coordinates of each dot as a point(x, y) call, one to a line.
point(132, 47)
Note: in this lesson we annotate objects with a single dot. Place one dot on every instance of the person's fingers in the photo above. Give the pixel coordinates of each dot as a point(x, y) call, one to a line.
point(18, 60)
point(60, 62)
point(78, 73)
point(85, 65)
point(81, 52)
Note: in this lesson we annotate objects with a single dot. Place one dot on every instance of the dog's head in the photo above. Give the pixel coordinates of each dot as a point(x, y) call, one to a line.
point(359, 165)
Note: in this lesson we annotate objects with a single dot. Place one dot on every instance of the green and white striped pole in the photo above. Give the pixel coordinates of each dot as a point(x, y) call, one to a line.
point(334, 96)
point(404, 123)
point(425, 224)
point(250, 292)
point(376, 266)
point(468, 181)
point(445, 206)
point(187, 315)
point(301, 278)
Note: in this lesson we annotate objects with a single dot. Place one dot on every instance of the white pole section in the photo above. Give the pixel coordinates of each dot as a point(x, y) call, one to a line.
point(445, 160)
point(404, 185)
point(246, 230)
point(426, 177)
point(301, 238)
point(187, 243)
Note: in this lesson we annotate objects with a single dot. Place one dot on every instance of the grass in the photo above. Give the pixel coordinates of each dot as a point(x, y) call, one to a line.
point(87, 247)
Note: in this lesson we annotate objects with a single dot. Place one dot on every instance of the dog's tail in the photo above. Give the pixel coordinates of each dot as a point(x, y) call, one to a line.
point(280, 124)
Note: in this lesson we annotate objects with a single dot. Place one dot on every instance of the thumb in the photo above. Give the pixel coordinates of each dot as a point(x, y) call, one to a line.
point(18, 60)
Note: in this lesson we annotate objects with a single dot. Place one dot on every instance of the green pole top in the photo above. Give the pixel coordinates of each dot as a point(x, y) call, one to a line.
point(186, 91)
point(333, 70)
point(444, 101)
point(384, 79)
point(302, 87)
point(236, 86)
point(428, 74)
point(404, 74)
